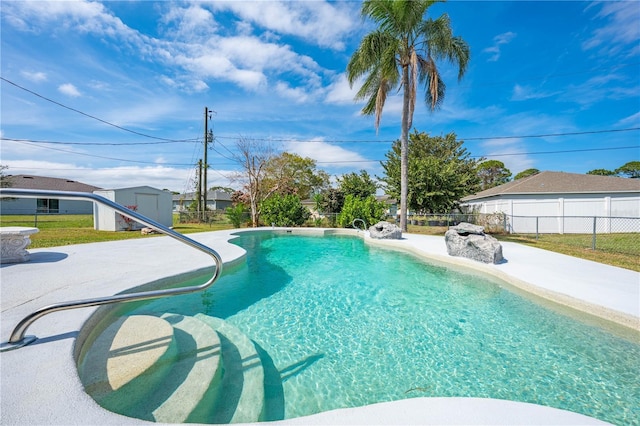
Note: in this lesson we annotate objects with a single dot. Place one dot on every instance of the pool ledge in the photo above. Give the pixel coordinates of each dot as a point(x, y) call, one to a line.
point(40, 384)
point(605, 293)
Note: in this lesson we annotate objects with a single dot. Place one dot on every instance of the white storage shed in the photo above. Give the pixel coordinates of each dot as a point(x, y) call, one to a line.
point(150, 202)
point(558, 202)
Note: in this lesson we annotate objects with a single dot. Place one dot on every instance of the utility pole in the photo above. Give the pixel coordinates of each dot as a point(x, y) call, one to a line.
point(199, 192)
point(206, 146)
point(207, 135)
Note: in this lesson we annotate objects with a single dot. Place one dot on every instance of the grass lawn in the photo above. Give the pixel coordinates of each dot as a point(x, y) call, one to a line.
point(62, 230)
point(622, 250)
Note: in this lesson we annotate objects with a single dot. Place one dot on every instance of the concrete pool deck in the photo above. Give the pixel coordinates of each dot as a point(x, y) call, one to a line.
point(40, 385)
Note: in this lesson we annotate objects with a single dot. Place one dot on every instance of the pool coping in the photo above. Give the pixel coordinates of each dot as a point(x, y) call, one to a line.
point(40, 384)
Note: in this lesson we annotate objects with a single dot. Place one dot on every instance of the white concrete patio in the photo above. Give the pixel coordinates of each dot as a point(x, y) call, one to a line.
point(40, 385)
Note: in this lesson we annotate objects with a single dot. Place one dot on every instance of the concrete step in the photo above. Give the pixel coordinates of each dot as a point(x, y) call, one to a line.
point(129, 357)
point(242, 398)
point(196, 371)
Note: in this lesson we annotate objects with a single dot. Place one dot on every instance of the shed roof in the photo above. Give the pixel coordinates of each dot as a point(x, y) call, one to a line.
point(49, 183)
point(561, 183)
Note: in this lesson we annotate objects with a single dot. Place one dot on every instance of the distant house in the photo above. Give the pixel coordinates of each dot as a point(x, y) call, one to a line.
point(216, 200)
point(46, 205)
point(559, 196)
point(153, 203)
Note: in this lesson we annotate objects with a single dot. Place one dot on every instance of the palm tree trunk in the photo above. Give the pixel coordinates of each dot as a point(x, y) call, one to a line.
point(404, 150)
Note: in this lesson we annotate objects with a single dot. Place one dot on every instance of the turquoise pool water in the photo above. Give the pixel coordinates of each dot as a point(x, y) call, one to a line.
point(346, 324)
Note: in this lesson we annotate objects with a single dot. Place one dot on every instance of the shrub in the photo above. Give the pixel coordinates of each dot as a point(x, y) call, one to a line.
point(368, 209)
point(236, 214)
point(284, 210)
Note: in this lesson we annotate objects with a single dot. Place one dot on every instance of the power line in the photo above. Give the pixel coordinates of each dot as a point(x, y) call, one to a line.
point(341, 161)
point(91, 116)
point(533, 78)
point(505, 154)
point(482, 138)
point(98, 143)
point(104, 157)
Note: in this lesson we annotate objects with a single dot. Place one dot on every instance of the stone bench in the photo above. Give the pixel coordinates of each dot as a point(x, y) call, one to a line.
point(13, 241)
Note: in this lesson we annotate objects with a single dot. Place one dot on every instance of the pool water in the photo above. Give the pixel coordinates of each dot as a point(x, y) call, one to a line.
point(346, 324)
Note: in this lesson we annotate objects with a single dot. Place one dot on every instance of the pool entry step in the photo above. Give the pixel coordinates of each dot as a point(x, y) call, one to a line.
point(178, 369)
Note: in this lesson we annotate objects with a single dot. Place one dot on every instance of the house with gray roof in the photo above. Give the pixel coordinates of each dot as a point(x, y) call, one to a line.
point(556, 200)
point(46, 205)
point(216, 200)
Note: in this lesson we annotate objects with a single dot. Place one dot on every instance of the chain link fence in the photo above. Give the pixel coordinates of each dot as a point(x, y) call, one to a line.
point(608, 234)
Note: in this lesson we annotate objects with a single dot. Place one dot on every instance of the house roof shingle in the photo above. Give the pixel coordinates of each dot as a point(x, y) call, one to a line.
point(49, 183)
point(561, 183)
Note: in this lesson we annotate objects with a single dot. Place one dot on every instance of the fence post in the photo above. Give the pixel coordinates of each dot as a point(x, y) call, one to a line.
point(35, 219)
point(537, 228)
point(593, 239)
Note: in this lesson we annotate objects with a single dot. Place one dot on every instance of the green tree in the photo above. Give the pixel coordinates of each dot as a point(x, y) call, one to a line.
point(264, 173)
point(526, 173)
point(359, 185)
point(331, 204)
point(368, 209)
point(630, 169)
point(292, 174)
point(441, 172)
point(284, 210)
point(401, 53)
point(492, 173)
point(5, 182)
point(601, 172)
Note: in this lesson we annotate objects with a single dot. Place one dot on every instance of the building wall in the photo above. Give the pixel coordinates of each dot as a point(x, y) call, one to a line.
point(29, 206)
point(564, 213)
point(150, 202)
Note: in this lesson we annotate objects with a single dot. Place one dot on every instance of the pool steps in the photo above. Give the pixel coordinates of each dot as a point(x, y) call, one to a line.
point(244, 374)
point(176, 369)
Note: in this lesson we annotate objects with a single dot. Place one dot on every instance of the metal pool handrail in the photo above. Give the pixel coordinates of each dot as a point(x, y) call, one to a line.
point(18, 339)
point(364, 224)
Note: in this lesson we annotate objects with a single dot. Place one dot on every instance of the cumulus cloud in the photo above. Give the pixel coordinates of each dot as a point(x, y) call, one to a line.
point(194, 49)
point(339, 91)
point(498, 41)
point(326, 154)
point(322, 23)
point(69, 90)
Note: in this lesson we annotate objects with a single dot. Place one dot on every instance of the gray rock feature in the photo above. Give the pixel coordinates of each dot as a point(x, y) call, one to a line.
point(385, 231)
point(470, 241)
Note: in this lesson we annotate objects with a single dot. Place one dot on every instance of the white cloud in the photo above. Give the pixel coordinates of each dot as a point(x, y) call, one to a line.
point(524, 93)
point(69, 90)
point(323, 23)
point(36, 76)
point(190, 22)
point(326, 154)
point(498, 41)
point(339, 91)
point(619, 31)
point(632, 120)
point(157, 176)
point(296, 94)
point(517, 161)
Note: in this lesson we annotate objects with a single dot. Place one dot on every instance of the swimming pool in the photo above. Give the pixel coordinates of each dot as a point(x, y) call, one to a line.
point(345, 324)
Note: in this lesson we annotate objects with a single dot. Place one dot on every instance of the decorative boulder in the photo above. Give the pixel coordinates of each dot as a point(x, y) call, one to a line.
point(386, 231)
point(470, 241)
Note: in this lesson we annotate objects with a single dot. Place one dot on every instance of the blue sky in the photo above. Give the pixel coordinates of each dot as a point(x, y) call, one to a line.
point(274, 71)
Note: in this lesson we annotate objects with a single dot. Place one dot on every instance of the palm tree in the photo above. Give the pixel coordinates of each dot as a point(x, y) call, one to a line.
point(401, 53)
